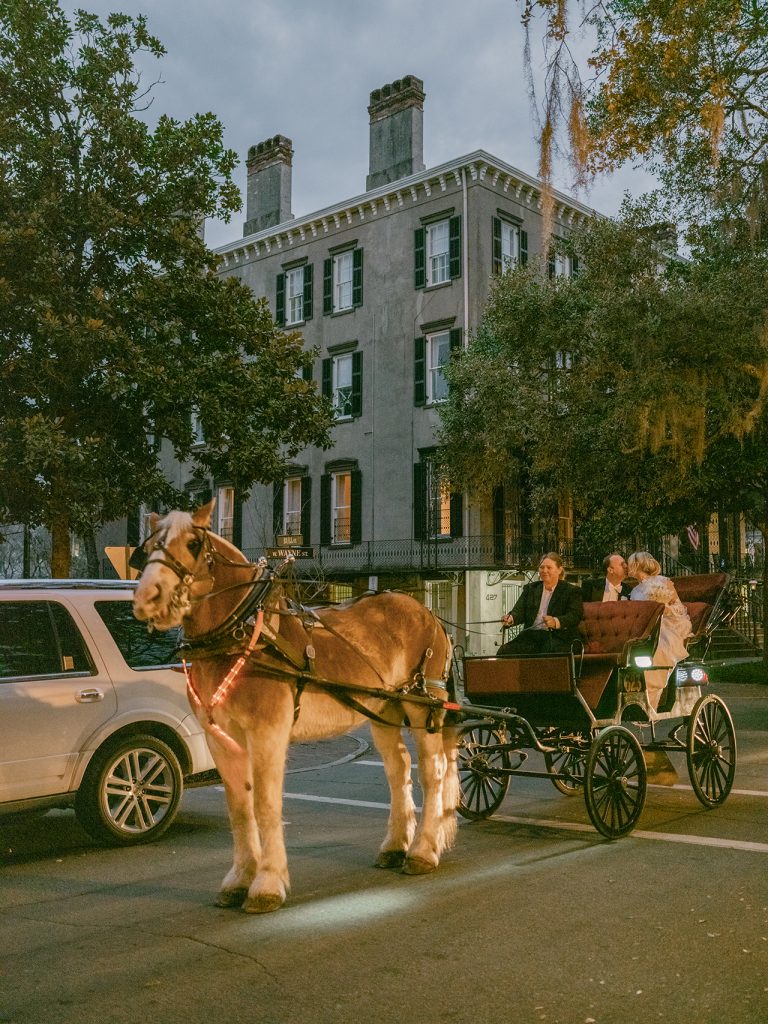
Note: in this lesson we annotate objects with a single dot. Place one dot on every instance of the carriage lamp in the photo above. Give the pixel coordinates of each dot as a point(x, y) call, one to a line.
point(692, 675)
point(643, 661)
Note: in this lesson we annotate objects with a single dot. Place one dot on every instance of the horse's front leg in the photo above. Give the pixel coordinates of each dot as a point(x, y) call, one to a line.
point(437, 823)
point(271, 885)
point(402, 813)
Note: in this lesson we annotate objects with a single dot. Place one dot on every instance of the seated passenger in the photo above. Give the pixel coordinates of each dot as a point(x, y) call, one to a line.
point(550, 611)
point(675, 624)
point(613, 585)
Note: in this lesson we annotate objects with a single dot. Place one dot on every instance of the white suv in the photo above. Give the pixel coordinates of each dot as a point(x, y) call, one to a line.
point(92, 713)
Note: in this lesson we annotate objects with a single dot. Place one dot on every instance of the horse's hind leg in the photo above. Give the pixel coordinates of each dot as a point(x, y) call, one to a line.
point(439, 784)
point(402, 813)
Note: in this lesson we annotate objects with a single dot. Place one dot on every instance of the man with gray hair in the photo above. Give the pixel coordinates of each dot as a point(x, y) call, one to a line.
point(613, 586)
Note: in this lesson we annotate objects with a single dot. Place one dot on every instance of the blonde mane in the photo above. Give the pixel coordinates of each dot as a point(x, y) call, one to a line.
point(175, 523)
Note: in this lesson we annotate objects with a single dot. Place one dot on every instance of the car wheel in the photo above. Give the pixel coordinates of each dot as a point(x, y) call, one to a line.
point(130, 791)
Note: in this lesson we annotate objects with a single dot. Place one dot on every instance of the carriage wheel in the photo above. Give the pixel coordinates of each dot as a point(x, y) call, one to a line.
point(615, 782)
point(573, 761)
point(482, 788)
point(711, 750)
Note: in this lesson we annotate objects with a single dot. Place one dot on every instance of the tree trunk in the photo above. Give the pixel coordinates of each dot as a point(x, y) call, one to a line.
point(61, 551)
point(91, 555)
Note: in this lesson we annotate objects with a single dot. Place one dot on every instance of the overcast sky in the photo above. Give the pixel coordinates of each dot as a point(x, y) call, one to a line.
point(306, 68)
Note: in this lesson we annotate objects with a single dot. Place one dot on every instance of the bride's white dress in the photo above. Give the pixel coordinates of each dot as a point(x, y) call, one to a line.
point(675, 627)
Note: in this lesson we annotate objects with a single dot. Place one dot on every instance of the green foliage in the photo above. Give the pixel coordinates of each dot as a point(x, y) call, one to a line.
point(114, 325)
point(617, 385)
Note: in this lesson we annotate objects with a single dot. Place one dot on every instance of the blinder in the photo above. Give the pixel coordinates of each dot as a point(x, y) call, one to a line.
point(139, 558)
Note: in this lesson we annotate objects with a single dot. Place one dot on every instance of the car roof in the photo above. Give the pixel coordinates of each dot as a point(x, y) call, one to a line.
point(59, 584)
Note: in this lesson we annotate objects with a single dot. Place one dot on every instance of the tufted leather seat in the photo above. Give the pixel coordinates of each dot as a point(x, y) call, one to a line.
point(608, 630)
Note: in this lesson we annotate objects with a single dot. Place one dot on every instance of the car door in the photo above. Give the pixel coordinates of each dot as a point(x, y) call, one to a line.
point(54, 692)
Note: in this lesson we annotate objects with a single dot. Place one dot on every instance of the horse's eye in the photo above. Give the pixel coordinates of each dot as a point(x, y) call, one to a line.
point(193, 546)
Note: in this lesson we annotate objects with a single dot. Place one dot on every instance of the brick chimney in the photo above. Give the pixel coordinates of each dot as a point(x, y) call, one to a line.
point(268, 199)
point(397, 131)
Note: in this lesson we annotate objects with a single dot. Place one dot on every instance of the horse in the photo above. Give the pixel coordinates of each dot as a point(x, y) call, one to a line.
point(263, 674)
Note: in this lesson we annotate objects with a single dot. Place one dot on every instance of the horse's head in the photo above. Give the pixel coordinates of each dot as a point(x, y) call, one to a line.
point(177, 566)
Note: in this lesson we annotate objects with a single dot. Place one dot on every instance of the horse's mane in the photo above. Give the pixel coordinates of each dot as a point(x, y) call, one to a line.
point(176, 523)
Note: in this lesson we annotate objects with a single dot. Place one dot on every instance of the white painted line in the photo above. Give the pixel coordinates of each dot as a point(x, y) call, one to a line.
point(337, 800)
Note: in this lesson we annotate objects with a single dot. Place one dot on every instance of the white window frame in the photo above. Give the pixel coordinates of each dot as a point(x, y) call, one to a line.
point(510, 245)
point(437, 386)
point(292, 505)
point(343, 270)
point(438, 257)
point(341, 394)
point(563, 265)
point(294, 296)
point(341, 507)
point(225, 512)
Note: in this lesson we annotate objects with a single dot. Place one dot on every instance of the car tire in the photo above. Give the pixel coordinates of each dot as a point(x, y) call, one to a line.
point(130, 792)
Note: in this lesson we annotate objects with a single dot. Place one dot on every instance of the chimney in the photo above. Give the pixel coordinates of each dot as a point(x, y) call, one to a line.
point(397, 131)
point(268, 199)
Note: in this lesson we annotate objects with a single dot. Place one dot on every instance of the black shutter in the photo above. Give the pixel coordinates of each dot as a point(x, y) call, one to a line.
point(280, 301)
point(308, 292)
point(419, 500)
point(551, 266)
point(328, 286)
point(419, 372)
point(455, 342)
point(457, 514)
point(277, 507)
point(306, 373)
point(237, 519)
point(523, 248)
point(419, 258)
point(325, 508)
point(357, 277)
point(357, 383)
point(306, 509)
point(496, 247)
point(356, 522)
point(327, 378)
point(454, 247)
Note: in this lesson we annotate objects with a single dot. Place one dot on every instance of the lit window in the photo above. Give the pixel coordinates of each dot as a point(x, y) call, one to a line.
point(342, 281)
point(294, 296)
point(438, 253)
point(341, 508)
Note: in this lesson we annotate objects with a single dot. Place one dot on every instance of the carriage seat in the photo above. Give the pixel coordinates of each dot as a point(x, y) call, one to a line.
point(704, 599)
point(612, 632)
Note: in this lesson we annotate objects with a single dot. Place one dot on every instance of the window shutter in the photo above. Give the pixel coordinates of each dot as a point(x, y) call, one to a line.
point(327, 286)
point(419, 500)
point(454, 247)
point(419, 258)
point(523, 248)
point(306, 509)
point(419, 372)
point(455, 342)
point(306, 373)
point(457, 514)
point(237, 519)
point(325, 508)
point(551, 266)
point(308, 292)
point(277, 506)
point(496, 248)
point(327, 380)
point(356, 522)
point(357, 277)
point(357, 383)
point(280, 301)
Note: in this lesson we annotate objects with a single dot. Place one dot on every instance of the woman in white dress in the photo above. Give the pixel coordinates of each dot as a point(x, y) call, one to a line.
point(675, 624)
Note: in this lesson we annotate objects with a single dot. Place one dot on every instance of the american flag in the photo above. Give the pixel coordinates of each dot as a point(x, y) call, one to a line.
point(693, 537)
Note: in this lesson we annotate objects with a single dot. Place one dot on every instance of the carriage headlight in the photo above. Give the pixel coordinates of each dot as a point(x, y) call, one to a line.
point(643, 661)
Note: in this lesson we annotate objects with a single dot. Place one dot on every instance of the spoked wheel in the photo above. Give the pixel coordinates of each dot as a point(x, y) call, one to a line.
point(482, 788)
point(571, 761)
point(711, 750)
point(615, 782)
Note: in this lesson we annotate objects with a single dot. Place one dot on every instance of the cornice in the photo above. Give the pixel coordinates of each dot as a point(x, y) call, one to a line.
point(479, 166)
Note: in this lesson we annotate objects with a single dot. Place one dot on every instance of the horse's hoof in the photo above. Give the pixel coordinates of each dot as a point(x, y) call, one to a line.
point(417, 866)
point(390, 859)
point(264, 903)
point(228, 898)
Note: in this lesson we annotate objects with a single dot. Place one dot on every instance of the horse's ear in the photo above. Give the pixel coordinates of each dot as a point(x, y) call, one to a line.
point(154, 519)
point(202, 516)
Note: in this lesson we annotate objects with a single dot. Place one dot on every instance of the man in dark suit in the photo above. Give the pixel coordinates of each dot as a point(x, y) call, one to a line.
point(549, 610)
point(613, 586)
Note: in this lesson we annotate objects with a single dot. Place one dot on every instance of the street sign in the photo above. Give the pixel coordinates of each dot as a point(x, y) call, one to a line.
point(119, 557)
point(286, 552)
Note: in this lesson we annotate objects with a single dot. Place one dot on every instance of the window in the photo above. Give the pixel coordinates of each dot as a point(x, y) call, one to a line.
point(343, 383)
point(343, 281)
point(438, 512)
point(198, 434)
point(294, 296)
point(561, 264)
point(510, 245)
point(225, 513)
point(39, 638)
point(431, 354)
point(341, 505)
point(292, 506)
point(437, 252)
point(140, 648)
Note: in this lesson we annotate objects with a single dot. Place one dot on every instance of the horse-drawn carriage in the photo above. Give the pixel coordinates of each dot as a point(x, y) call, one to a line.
point(263, 672)
point(588, 713)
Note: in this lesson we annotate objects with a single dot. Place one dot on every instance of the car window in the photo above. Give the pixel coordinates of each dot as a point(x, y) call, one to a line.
point(139, 647)
point(39, 638)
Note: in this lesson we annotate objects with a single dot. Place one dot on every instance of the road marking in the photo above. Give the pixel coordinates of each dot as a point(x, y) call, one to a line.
point(337, 800)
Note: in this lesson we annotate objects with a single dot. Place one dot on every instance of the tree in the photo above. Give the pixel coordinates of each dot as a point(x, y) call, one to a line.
point(115, 327)
point(680, 83)
point(613, 386)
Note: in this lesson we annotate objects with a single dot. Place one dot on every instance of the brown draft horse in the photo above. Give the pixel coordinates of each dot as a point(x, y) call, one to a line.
point(253, 661)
